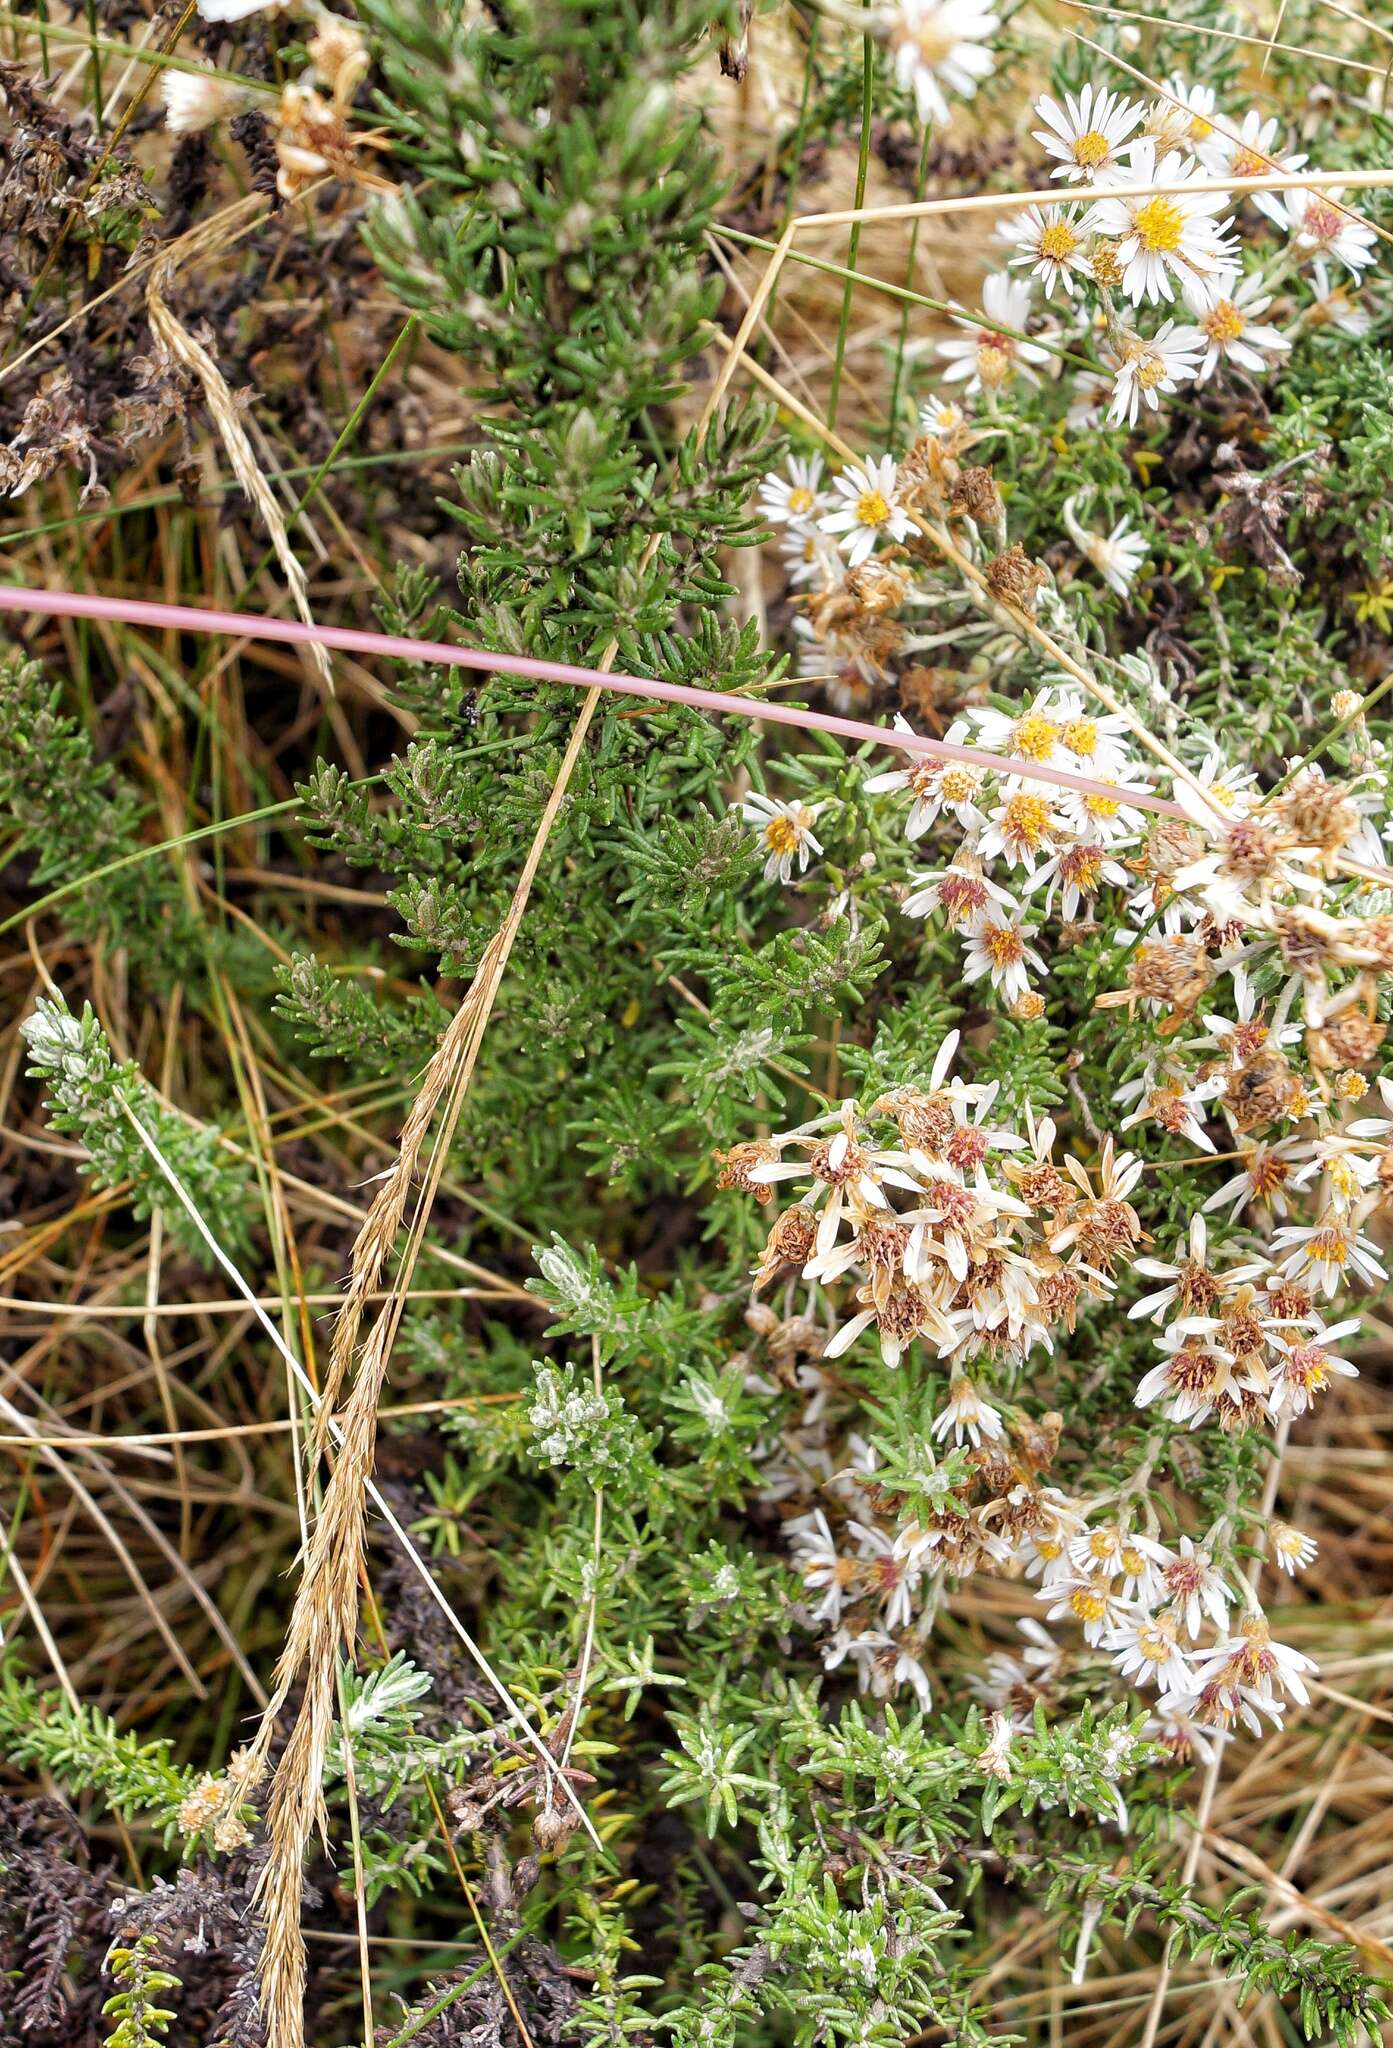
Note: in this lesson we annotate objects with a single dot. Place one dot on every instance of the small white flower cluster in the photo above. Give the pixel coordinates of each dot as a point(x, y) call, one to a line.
point(955, 1231)
point(1149, 1604)
point(1146, 227)
point(1050, 842)
point(876, 1580)
point(1246, 1342)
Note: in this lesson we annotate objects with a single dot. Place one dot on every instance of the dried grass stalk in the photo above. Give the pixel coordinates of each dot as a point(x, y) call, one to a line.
point(197, 243)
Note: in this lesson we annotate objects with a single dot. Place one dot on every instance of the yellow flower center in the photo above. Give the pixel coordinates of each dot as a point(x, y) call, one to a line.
point(1199, 128)
point(800, 499)
point(1047, 1549)
point(1035, 737)
point(932, 43)
point(1159, 225)
point(781, 835)
point(1106, 268)
point(1224, 323)
point(1247, 163)
point(994, 355)
point(1101, 806)
point(1133, 1563)
point(872, 508)
point(1027, 820)
point(1058, 241)
point(1004, 947)
point(1101, 1543)
point(1150, 372)
point(1092, 149)
point(1153, 1646)
point(1088, 1606)
point(1329, 1247)
point(1080, 735)
point(957, 785)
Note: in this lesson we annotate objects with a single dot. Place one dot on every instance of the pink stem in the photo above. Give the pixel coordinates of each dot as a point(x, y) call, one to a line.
point(254, 626)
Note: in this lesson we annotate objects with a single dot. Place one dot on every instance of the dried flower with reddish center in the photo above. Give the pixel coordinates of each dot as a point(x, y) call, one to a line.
point(790, 1242)
point(1174, 971)
point(926, 1123)
point(736, 1164)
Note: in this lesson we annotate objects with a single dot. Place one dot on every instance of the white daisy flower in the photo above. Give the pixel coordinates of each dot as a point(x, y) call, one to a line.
point(822, 1567)
point(1252, 153)
point(1325, 1254)
point(940, 43)
point(1305, 1369)
point(238, 10)
point(964, 895)
point(1168, 238)
point(869, 508)
point(1116, 556)
point(1265, 1176)
point(936, 784)
point(1086, 135)
point(984, 358)
point(1348, 1171)
point(998, 950)
point(796, 499)
point(1089, 1600)
point(1184, 119)
point(1292, 1549)
point(882, 1663)
point(1089, 400)
point(1032, 733)
point(1183, 1739)
point(967, 1415)
point(1078, 872)
point(812, 560)
point(896, 1569)
point(1097, 744)
point(1020, 827)
point(942, 419)
point(1335, 305)
point(1147, 1648)
point(1166, 1101)
point(1228, 789)
point(196, 100)
point(1119, 1553)
point(1249, 1669)
point(1197, 1589)
point(787, 831)
point(1194, 1375)
point(1052, 242)
point(1322, 227)
point(1147, 368)
point(1110, 819)
point(1232, 328)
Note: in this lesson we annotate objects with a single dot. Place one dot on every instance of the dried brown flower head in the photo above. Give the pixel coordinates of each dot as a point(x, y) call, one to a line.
point(976, 497)
point(1015, 579)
